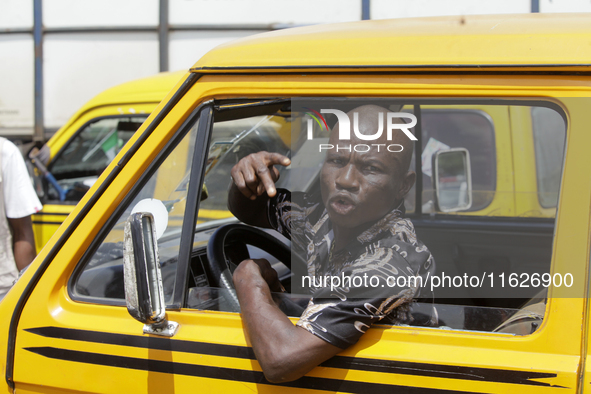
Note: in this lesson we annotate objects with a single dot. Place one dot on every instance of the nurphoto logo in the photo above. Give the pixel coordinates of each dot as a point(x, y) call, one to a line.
point(344, 125)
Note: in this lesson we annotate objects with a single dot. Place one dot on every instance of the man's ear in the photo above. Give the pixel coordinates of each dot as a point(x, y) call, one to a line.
point(407, 183)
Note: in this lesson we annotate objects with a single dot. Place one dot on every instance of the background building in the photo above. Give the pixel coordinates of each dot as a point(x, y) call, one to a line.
point(57, 54)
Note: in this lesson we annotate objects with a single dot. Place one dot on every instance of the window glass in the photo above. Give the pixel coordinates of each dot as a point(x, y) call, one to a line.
point(232, 140)
point(473, 248)
point(470, 244)
point(467, 128)
point(102, 276)
point(549, 138)
point(78, 165)
point(445, 127)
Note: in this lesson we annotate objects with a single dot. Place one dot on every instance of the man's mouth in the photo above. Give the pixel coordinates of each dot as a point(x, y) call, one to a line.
point(341, 205)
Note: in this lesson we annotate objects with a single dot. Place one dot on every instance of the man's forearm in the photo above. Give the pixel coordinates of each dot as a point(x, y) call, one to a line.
point(284, 351)
point(24, 253)
point(267, 326)
point(23, 241)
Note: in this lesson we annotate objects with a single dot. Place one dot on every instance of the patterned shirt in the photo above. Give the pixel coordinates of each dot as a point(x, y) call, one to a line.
point(389, 252)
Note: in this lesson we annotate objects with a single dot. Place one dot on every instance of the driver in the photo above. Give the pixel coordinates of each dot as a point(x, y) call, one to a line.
point(356, 229)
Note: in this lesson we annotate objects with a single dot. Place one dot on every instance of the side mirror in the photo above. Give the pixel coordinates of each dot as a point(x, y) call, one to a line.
point(40, 152)
point(453, 180)
point(142, 278)
point(39, 158)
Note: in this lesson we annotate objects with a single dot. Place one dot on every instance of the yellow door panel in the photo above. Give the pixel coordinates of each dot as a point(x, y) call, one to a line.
point(85, 347)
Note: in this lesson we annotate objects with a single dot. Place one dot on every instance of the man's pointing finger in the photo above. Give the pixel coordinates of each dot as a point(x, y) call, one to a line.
point(276, 158)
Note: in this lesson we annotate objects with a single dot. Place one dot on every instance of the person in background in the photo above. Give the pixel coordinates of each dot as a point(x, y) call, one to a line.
point(18, 201)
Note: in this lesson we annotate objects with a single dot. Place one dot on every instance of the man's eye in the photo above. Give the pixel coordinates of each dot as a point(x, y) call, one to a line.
point(336, 161)
point(372, 168)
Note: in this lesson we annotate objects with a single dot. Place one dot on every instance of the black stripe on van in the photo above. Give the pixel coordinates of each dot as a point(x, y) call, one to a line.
point(232, 374)
point(340, 362)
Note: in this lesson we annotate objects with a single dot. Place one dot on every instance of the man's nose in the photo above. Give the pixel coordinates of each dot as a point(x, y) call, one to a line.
point(347, 178)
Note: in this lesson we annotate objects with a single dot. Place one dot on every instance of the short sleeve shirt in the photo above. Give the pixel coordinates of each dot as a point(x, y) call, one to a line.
point(388, 254)
point(20, 199)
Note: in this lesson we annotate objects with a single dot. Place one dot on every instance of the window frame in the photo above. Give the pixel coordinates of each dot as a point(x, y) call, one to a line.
point(85, 125)
point(203, 137)
point(537, 162)
point(180, 133)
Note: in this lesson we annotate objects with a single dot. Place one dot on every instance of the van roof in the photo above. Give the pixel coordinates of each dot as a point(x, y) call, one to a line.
point(144, 90)
point(539, 42)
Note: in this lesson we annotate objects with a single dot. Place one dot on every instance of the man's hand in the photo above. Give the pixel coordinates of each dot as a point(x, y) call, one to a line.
point(254, 178)
point(269, 275)
point(255, 174)
point(266, 272)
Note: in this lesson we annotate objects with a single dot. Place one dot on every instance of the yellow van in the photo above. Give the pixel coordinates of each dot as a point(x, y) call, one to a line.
point(80, 150)
point(502, 201)
point(78, 153)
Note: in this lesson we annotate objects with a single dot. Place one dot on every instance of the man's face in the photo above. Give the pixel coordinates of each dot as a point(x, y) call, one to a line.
point(359, 188)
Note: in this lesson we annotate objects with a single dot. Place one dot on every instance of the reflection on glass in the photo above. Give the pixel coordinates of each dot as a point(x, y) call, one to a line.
point(453, 181)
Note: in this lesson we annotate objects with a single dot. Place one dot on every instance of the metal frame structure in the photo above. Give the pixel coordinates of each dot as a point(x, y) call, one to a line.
point(163, 29)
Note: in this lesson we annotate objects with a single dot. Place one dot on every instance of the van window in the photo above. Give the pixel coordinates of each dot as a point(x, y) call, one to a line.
point(467, 243)
point(100, 276)
point(483, 237)
point(80, 162)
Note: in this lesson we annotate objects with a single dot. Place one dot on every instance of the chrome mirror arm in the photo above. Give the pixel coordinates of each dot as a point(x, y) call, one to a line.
point(144, 295)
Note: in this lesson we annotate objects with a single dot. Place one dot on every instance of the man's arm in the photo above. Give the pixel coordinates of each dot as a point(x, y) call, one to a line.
point(284, 351)
point(23, 241)
point(254, 178)
point(20, 202)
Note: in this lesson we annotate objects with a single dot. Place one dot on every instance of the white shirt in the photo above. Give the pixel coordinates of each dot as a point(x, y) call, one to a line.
point(20, 199)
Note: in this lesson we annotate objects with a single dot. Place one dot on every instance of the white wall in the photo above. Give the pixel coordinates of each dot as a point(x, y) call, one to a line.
point(16, 68)
point(263, 11)
point(187, 47)
point(16, 84)
point(78, 13)
point(16, 13)
point(565, 6)
point(79, 66)
point(386, 9)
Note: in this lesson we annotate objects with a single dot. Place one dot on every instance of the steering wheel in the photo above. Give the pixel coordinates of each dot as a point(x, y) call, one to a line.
point(219, 265)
